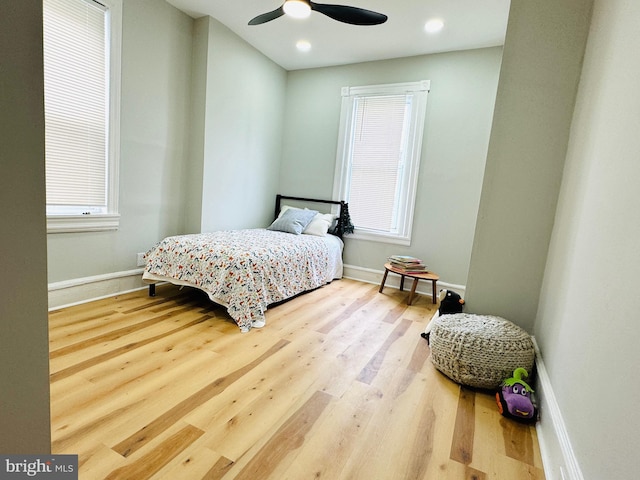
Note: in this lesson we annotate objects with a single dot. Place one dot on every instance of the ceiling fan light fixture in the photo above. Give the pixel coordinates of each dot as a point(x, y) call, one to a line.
point(297, 8)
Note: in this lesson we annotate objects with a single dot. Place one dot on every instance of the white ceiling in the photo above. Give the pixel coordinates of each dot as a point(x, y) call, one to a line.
point(467, 24)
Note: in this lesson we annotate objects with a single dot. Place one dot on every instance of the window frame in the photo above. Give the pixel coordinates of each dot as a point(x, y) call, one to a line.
point(92, 221)
point(406, 208)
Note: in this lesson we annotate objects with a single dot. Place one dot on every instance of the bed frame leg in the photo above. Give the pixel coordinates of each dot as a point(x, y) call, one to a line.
point(152, 290)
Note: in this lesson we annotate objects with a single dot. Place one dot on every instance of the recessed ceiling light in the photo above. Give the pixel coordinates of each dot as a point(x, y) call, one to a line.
point(303, 46)
point(434, 25)
point(297, 8)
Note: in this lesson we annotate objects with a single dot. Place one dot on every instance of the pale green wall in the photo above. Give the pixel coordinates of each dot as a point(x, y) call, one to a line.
point(200, 46)
point(244, 108)
point(24, 348)
point(536, 94)
point(587, 324)
point(156, 96)
point(457, 127)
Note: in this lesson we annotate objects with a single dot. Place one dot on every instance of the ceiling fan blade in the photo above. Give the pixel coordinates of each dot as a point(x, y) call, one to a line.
point(352, 15)
point(267, 17)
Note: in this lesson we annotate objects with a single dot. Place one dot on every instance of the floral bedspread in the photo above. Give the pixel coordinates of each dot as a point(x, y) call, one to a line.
point(245, 270)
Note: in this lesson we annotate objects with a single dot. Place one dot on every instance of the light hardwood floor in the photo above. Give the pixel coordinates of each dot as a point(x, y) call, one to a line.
point(338, 385)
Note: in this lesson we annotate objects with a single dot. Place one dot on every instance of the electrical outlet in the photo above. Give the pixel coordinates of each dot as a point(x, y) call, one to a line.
point(141, 261)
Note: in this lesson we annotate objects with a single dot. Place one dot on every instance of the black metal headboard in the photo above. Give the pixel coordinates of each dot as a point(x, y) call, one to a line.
point(344, 222)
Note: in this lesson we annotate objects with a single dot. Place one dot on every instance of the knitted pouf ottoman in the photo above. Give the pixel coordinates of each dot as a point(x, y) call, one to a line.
point(479, 350)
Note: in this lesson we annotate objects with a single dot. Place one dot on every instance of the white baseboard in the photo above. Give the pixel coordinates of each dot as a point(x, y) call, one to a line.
point(558, 458)
point(87, 289)
point(369, 275)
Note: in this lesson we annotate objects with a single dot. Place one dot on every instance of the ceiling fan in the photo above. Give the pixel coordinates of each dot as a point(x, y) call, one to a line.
point(341, 13)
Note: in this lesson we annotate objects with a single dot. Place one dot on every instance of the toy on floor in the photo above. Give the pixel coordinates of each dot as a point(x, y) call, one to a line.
point(450, 302)
point(514, 398)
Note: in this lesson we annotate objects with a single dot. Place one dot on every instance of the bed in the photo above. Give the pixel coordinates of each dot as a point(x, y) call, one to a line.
point(247, 270)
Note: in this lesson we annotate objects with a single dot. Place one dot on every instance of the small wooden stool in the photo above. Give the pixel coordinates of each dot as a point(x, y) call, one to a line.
point(416, 276)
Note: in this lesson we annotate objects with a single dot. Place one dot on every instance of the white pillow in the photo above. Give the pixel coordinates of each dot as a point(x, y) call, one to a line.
point(320, 224)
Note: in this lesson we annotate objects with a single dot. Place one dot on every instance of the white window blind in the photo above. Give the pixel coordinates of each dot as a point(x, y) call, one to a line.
point(76, 106)
point(378, 157)
point(377, 160)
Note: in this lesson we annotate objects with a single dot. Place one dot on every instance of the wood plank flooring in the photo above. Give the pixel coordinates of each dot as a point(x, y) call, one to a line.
point(338, 385)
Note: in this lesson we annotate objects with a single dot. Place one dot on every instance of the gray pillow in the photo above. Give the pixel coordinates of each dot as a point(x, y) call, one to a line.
point(293, 221)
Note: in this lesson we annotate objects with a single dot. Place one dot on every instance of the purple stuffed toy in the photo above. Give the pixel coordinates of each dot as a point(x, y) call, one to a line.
point(514, 398)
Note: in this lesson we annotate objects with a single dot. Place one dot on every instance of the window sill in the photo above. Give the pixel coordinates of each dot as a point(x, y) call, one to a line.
point(379, 237)
point(82, 223)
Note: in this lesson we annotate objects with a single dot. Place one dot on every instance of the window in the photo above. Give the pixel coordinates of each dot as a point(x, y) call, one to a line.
point(378, 157)
point(81, 41)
